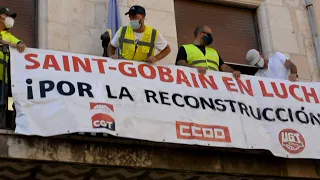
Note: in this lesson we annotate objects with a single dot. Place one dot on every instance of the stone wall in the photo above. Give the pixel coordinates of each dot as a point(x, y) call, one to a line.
point(316, 4)
point(74, 26)
point(285, 27)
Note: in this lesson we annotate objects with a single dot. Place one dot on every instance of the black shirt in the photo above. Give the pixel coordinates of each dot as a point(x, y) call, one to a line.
point(182, 54)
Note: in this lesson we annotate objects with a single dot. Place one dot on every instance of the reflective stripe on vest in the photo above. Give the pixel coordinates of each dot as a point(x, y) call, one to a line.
point(6, 36)
point(127, 38)
point(196, 57)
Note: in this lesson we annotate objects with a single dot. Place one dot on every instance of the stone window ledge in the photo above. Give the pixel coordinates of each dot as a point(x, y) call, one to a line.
point(239, 3)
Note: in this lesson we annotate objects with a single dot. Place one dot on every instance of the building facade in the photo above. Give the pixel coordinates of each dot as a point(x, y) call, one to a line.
point(238, 25)
point(267, 25)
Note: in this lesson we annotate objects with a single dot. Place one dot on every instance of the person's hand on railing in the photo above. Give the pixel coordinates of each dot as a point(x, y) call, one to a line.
point(115, 57)
point(201, 70)
point(293, 77)
point(21, 47)
point(236, 74)
point(152, 59)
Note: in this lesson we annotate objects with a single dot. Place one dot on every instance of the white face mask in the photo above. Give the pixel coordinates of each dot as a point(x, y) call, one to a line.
point(260, 63)
point(9, 22)
point(135, 24)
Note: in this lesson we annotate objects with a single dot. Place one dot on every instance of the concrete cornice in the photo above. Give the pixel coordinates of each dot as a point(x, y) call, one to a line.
point(206, 160)
point(241, 3)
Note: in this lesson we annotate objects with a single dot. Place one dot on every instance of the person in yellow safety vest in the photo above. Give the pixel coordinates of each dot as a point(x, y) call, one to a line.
point(7, 22)
point(199, 55)
point(138, 41)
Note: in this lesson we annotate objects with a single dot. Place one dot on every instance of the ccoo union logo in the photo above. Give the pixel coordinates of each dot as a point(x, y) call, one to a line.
point(292, 141)
point(102, 116)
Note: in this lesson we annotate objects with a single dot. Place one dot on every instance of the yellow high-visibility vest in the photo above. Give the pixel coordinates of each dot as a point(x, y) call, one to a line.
point(196, 57)
point(131, 49)
point(6, 36)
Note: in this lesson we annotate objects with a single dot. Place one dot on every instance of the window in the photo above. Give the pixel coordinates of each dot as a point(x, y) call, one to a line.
point(234, 29)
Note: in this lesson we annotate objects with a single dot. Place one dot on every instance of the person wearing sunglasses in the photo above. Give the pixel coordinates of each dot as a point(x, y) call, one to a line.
point(278, 66)
point(202, 57)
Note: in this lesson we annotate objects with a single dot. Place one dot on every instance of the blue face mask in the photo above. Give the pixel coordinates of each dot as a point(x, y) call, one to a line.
point(135, 24)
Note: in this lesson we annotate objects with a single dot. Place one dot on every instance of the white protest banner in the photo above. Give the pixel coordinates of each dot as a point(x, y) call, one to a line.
point(59, 93)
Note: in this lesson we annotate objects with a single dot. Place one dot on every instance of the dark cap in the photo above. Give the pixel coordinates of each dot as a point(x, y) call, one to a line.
point(136, 10)
point(6, 11)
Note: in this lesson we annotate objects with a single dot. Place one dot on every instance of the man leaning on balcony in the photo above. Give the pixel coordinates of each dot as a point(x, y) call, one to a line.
point(138, 41)
point(202, 57)
point(6, 23)
point(278, 66)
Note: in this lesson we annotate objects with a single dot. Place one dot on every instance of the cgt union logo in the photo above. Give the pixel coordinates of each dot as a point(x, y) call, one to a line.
point(187, 130)
point(292, 141)
point(102, 117)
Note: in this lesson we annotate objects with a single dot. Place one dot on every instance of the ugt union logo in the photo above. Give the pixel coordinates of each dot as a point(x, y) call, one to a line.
point(292, 141)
